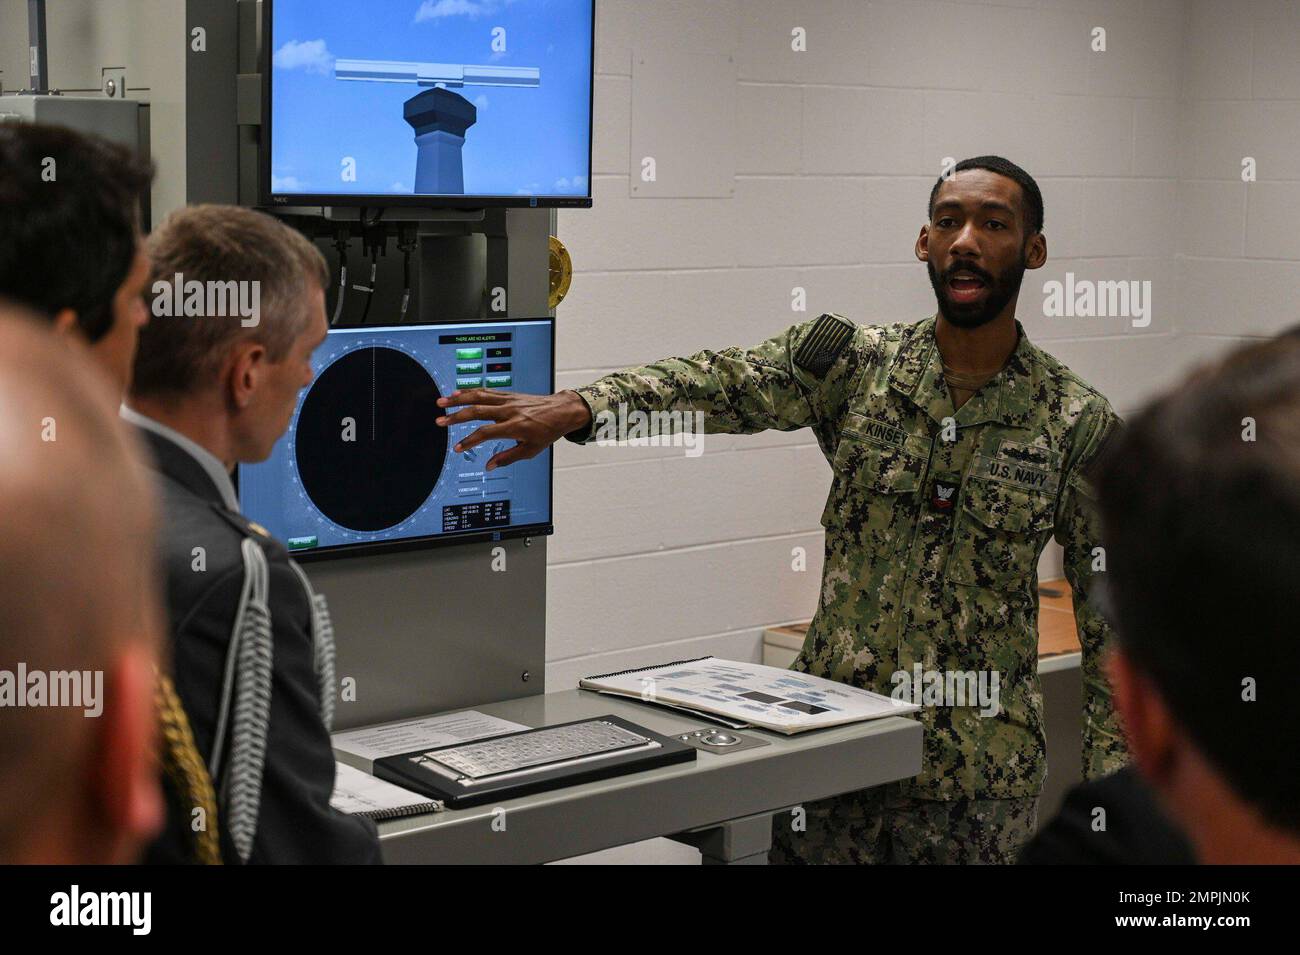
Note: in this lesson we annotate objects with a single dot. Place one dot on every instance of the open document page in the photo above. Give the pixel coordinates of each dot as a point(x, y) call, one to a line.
point(769, 697)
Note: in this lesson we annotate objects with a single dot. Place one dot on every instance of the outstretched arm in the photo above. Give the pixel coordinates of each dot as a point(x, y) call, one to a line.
point(796, 379)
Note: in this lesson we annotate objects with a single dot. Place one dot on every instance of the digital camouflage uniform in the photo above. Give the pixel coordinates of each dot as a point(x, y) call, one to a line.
point(882, 826)
point(908, 581)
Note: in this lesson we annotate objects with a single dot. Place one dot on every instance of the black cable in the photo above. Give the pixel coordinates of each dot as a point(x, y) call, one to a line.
point(341, 244)
point(370, 292)
point(407, 241)
point(374, 239)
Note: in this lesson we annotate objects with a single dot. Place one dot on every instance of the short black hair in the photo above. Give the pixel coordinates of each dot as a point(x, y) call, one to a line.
point(69, 220)
point(1200, 506)
point(1003, 167)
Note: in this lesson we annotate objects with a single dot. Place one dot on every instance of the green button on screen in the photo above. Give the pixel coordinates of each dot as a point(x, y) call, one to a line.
point(466, 354)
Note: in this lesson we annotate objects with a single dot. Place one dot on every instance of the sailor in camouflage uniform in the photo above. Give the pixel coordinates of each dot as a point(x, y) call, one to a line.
point(937, 514)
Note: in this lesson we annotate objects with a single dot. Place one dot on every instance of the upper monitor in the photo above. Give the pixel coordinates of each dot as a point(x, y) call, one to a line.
point(430, 103)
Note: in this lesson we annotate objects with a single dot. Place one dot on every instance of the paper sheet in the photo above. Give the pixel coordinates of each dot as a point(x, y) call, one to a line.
point(362, 747)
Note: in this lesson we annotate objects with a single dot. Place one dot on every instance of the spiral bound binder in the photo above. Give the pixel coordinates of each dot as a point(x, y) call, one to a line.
point(360, 794)
point(401, 812)
point(657, 666)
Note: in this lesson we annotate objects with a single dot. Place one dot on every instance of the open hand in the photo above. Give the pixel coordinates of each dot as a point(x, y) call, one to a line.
point(534, 421)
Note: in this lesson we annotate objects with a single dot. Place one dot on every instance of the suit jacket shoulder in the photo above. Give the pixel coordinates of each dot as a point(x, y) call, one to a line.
point(201, 548)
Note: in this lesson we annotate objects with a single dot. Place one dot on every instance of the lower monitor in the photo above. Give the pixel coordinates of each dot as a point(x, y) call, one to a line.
point(364, 465)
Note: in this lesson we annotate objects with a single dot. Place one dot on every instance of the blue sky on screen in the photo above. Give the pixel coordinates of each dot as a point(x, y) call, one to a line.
point(527, 142)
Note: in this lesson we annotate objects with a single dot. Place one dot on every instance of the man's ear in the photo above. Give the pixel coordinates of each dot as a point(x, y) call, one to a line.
point(124, 765)
point(246, 368)
point(1148, 726)
point(65, 322)
point(1036, 254)
point(923, 244)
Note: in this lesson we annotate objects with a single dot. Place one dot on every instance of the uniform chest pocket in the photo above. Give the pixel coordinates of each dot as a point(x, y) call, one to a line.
point(999, 532)
point(871, 482)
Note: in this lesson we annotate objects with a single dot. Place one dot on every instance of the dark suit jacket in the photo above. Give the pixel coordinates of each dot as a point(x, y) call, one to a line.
point(295, 821)
point(1137, 830)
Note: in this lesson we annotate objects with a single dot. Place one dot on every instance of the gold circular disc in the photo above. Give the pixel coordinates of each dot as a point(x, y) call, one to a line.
point(561, 272)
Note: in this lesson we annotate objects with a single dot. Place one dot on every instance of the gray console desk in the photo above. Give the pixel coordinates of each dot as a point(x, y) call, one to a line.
point(721, 803)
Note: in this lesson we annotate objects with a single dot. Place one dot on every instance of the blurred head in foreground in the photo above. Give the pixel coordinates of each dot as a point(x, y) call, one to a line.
point(1200, 499)
point(80, 618)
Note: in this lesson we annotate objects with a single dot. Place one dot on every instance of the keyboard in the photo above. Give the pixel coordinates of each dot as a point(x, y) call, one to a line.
point(535, 750)
point(491, 770)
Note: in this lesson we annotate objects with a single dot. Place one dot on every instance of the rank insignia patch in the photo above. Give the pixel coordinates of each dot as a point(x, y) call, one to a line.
point(943, 497)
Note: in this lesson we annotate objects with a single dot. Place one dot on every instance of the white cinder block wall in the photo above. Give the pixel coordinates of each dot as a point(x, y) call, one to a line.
point(827, 158)
point(1239, 248)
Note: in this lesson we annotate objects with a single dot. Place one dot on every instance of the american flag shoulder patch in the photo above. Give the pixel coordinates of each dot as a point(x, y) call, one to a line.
point(829, 336)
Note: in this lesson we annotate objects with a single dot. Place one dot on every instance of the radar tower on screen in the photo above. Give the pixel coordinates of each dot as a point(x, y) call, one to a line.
point(439, 117)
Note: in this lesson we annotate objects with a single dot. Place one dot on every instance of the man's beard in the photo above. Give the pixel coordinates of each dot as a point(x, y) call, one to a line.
point(1001, 290)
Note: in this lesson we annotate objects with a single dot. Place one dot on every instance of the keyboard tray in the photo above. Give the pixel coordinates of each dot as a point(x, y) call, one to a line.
point(419, 771)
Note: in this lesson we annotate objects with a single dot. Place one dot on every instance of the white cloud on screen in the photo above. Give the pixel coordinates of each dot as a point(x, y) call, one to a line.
point(309, 55)
point(438, 9)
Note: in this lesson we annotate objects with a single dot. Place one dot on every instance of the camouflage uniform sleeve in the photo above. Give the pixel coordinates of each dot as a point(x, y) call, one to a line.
point(799, 378)
point(1079, 532)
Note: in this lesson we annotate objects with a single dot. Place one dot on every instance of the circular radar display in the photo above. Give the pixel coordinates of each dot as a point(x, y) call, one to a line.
point(368, 449)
